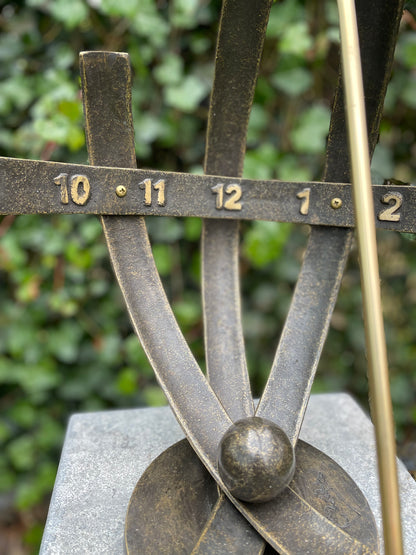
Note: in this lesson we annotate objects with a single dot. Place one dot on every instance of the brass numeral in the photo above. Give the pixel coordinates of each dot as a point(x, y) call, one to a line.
point(148, 187)
point(80, 188)
point(227, 198)
point(219, 191)
point(304, 196)
point(62, 181)
point(235, 192)
point(160, 188)
point(391, 214)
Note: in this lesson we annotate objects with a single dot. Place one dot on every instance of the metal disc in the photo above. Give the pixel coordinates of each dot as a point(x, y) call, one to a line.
point(175, 496)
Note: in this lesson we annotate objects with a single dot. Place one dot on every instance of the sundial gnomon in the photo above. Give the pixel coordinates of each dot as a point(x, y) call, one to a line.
point(320, 510)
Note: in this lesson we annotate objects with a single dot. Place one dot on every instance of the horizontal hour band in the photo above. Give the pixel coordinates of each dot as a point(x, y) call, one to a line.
point(37, 187)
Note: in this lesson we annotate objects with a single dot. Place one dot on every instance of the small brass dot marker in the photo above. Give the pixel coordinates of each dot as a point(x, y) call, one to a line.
point(121, 191)
point(336, 203)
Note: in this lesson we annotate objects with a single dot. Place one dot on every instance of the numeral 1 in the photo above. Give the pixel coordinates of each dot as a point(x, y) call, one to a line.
point(62, 180)
point(159, 186)
point(219, 191)
point(304, 196)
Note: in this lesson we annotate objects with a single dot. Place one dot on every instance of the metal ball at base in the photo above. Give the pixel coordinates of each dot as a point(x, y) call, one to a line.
point(256, 460)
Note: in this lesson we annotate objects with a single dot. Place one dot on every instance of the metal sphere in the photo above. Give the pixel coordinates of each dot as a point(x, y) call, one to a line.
point(256, 460)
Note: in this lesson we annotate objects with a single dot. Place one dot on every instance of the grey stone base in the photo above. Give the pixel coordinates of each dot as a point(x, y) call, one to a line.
point(105, 454)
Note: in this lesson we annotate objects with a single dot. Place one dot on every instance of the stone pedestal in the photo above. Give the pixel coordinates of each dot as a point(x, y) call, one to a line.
point(105, 454)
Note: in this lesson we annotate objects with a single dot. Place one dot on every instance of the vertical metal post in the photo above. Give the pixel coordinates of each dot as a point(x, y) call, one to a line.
point(370, 282)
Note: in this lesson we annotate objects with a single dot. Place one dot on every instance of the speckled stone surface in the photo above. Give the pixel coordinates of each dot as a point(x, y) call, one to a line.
point(105, 454)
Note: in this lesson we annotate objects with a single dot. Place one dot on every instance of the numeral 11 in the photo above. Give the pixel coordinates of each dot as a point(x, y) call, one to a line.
point(148, 187)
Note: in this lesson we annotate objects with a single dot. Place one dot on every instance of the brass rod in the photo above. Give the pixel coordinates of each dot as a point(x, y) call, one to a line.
point(381, 405)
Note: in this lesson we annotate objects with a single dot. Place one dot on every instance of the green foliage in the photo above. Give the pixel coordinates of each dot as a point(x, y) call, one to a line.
point(264, 241)
point(66, 343)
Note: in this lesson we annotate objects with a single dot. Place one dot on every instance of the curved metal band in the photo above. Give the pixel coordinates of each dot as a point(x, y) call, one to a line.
point(130, 253)
point(287, 391)
point(175, 367)
point(236, 68)
point(288, 387)
point(106, 82)
point(240, 44)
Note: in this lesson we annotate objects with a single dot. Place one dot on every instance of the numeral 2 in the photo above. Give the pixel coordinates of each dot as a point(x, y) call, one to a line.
point(391, 214)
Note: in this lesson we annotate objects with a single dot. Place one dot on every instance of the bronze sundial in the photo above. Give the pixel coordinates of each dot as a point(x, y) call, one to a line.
point(242, 480)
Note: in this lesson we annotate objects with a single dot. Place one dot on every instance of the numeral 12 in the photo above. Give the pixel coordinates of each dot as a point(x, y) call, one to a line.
point(233, 194)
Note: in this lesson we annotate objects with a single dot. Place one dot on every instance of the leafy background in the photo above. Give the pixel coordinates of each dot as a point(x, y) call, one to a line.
point(66, 344)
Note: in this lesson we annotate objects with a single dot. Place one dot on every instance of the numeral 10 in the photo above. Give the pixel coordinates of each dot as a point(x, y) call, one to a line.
point(80, 188)
point(159, 186)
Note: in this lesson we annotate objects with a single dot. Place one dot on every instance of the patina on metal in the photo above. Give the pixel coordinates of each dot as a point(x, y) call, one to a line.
point(235, 76)
point(236, 67)
point(39, 187)
point(186, 387)
point(382, 77)
point(320, 487)
point(321, 509)
point(256, 460)
point(277, 402)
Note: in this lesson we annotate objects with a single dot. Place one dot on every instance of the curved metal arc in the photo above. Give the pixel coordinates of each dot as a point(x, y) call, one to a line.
point(288, 388)
point(133, 263)
point(131, 256)
point(236, 68)
point(106, 83)
point(240, 42)
point(219, 421)
point(327, 249)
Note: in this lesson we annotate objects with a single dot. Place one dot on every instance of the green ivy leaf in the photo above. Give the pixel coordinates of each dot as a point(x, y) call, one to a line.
point(264, 241)
point(296, 39)
point(127, 381)
point(293, 82)
point(311, 130)
point(188, 94)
